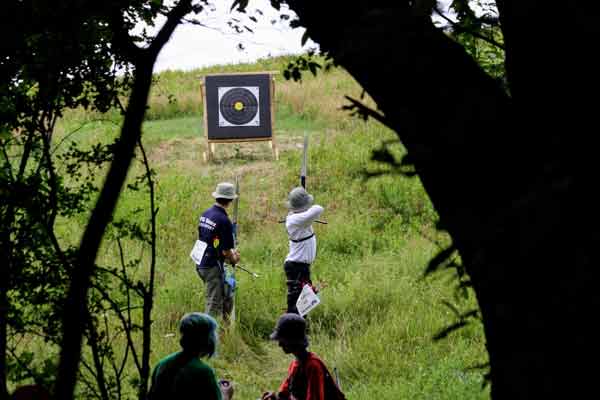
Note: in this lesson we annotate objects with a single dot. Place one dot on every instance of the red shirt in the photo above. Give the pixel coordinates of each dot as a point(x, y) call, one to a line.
point(308, 377)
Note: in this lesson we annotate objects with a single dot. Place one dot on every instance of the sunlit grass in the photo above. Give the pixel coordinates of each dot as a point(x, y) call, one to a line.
point(377, 317)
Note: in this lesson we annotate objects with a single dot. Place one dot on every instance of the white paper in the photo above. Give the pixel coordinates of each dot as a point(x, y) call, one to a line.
point(198, 251)
point(307, 300)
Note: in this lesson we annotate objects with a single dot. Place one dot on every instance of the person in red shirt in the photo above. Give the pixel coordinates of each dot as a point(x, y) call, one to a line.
point(308, 377)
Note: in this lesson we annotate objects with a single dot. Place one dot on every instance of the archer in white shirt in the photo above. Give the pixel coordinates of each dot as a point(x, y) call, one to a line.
point(302, 243)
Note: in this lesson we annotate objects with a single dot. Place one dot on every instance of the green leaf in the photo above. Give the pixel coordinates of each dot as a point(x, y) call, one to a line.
point(240, 4)
point(304, 38)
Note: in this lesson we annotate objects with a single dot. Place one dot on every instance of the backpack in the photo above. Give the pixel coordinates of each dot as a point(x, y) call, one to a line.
point(332, 390)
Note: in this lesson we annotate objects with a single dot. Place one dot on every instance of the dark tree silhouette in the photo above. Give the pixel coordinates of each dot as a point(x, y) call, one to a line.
point(511, 176)
point(57, 56)
point(75, 307)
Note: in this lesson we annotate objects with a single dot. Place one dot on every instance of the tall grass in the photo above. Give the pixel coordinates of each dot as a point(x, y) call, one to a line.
point(377, 317)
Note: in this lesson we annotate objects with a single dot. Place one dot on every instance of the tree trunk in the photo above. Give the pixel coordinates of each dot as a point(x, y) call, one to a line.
point(149, 291)
point(75, 307)
point(7, 265)
point(510, 177)
point(3, 334)
point(76, 302)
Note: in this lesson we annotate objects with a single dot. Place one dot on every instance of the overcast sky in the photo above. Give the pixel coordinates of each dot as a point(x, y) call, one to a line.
point(193, 46)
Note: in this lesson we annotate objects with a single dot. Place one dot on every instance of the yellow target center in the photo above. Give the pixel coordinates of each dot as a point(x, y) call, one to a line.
point(238, 106)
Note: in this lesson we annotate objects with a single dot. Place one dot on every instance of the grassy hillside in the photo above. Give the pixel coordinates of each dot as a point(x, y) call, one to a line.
point(377, 317)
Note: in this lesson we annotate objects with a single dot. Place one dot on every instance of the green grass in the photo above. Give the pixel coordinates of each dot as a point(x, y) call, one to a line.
point(377, 317)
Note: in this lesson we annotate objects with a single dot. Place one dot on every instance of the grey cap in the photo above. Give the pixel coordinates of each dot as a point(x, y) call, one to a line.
point(290, 328)
point(225, 190)
point(299, 199)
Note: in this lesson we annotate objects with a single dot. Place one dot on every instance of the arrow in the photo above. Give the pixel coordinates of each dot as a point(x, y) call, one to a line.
point(253, 274)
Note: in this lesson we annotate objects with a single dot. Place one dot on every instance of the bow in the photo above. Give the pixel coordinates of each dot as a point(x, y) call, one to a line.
point(234, 223)
point(236, 203)
point(304, 161)
point(305, 167)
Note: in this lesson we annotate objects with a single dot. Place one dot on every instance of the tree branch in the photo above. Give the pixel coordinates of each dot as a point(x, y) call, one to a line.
point(122, 40)
point(149, 292)
point(173, 19)
point(76, 301)
point(96, 356)
point(125, 323)
point(470, 32)
point(359, 109)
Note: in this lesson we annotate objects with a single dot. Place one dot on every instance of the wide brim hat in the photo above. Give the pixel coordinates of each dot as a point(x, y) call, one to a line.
point(299, 199)
point(225, 190)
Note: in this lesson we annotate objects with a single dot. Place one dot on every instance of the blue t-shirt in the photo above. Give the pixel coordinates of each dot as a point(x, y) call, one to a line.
point(216, 230)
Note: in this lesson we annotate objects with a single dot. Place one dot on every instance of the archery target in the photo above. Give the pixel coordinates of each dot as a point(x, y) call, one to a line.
point(239, 106)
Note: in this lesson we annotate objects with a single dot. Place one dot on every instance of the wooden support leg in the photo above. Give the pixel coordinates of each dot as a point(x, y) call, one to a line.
point(274, 149)
point(208, 155)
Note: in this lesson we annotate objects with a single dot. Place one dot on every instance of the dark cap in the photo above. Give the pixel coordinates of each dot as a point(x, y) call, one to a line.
point(290, 328)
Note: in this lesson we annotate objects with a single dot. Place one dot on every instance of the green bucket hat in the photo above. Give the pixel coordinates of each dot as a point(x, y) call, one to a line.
point(198, 333)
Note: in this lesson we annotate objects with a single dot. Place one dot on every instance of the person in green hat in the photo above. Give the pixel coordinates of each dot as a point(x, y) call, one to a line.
point(183, 375)
point(308, 377)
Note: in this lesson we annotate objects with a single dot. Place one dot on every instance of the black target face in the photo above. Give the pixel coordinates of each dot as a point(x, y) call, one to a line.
point(238, 106)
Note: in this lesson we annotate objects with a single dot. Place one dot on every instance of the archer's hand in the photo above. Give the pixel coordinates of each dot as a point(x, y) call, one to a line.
point(235, 256)
point(226, 389)
point(232, 255)
point(269, 396)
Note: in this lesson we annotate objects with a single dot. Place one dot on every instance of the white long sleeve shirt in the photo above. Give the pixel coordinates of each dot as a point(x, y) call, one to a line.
point(299, 226)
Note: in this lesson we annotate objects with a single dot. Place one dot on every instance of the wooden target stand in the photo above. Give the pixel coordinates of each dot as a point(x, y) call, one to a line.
point(208, 155)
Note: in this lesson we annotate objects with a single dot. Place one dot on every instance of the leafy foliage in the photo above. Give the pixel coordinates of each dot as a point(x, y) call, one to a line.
point(477, 28)
point(65, 55)
point(306, 62)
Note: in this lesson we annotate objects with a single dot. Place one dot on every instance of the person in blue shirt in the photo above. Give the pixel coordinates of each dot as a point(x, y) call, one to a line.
point(216, 230)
